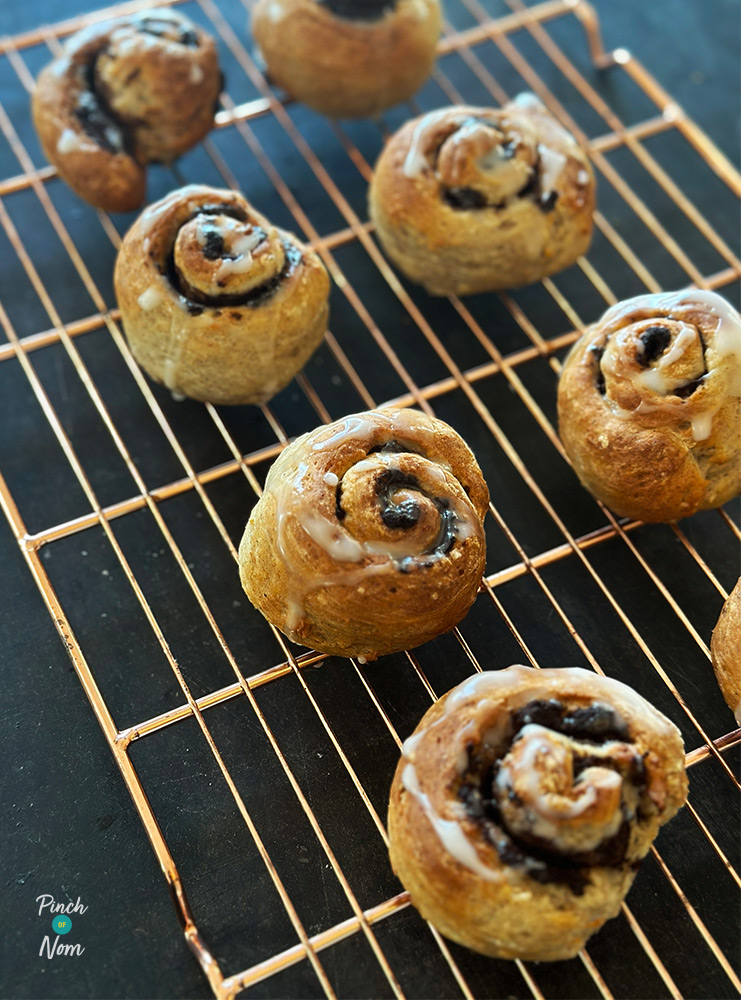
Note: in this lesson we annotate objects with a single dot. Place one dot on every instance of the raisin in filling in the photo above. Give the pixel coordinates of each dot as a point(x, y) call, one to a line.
point(195, 300)
point(467, 198)
point(405, 514)
point(597, 350)
point(655, 340)
point(596, 724)
point(359, 10)
point(162, 27)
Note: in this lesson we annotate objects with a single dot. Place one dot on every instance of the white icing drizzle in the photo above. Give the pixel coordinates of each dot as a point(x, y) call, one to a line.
point(415, 161)
point(150, 298)
point(727, 339)
point(340, 545)
point(196, 73)
point(702, 425)
point(551, 165)
point(552, 807)
point(150, 216)
point(72, 142)
point(737, 713)
point(449, 831)
point(686, 336)
point(274, 12)
point(332, 536)
point(175, 345)
point(544, 810)
point(582, 178)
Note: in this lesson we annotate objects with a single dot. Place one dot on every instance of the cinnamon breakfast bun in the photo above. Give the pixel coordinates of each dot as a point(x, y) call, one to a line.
point(524, 803)
point(472, 199)
point(136, 90)
point(368, 538)
point(725, 650)
point(348, 58)
point(648, 405)
point(217, 303)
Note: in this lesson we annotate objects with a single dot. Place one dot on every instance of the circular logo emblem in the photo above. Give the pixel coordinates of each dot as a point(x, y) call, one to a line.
point(62, 924)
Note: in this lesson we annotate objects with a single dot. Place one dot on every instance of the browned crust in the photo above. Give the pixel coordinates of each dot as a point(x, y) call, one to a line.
point(725, 648)
point(647, 465)
point(517, 917)
point(376, 614)
point(116, 181)
point(462, 251)
point(347, 68)
point(230, 354)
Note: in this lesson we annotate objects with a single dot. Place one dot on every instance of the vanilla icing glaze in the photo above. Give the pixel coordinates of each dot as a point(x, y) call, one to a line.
point(293, 488)
point(554, 146)
point(483, 704)
point(724, 341)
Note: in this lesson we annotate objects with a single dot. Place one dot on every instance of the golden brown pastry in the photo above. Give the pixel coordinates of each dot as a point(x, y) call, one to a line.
point(217, 303)
point(725, 649)
point(473, 200)
point(348, 58)
point(524, 803)
point(140, 89)
point(648, 405)
point(368, 538)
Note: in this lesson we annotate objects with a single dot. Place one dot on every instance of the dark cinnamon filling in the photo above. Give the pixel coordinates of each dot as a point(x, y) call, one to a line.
point(467, 198)
point(655, 340)
point(161, 27)
point(254, 297)
point(97, 119)
point(596, 724)
point(359, 10)
point(597, 350)
point(406, 514)
point(194, 299)
point(95, 115)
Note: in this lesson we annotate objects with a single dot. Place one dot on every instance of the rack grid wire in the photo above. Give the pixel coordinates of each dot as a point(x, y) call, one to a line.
point(301, 760)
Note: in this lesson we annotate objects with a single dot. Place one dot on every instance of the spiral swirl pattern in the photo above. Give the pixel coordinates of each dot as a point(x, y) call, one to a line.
point(524, 803)
point(368, 537)
point(649, 405)
point(474, 199)
point(217, 303)
point(132, 91)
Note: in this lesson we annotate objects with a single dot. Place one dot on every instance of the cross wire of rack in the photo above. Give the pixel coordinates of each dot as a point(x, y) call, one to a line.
point(478, 55)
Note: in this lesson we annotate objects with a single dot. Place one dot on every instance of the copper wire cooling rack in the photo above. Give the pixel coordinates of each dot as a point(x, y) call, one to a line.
point(261, 783)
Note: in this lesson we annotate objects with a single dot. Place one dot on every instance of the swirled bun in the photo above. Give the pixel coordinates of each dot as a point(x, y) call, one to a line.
point(725, 650)
point(348, 58)
point(217, 303)
point(649, 405)
point(140, 89)
point(474, 199)
point(524, 803)
point(368, 537)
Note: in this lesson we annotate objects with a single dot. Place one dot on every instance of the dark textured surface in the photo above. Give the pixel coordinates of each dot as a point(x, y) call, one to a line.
point(71, 829)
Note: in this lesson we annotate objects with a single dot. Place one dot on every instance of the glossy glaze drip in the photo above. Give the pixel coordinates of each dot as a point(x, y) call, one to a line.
point(553, 151)
point(608, 779)
point(296, 505)
point(450, 832)
point(674, 331)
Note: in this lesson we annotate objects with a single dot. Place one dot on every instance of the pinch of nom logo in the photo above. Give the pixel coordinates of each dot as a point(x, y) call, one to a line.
point(61, 924)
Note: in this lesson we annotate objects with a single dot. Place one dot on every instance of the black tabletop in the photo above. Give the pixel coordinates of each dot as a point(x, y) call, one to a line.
point(71, 830)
